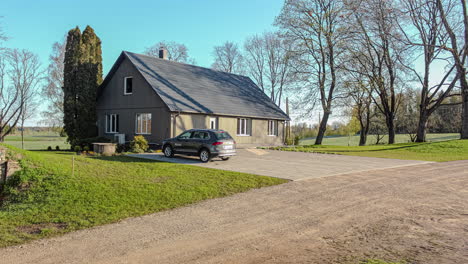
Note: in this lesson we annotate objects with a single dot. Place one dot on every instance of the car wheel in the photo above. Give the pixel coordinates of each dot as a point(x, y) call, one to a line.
point(168, 152)
point(224, 158)
point(205, 155)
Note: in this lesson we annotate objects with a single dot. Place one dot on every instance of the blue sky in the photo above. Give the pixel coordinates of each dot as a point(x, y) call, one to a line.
point(135, 25)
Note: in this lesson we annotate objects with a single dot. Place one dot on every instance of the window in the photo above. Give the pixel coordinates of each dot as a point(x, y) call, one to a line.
point(112, 123)
point(200, 135)
point(143, 123)
point(243, 127)
point(213, 123)
point(128, 85)
point(185, 135)
point(222, 135)
point(272, 127)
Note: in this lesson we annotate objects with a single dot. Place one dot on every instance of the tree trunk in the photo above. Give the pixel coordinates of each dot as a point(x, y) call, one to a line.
point(322, 128)
point(422, 125)
point(464, 130)
point(362, 138)
point(22, 137)
point(391, 130)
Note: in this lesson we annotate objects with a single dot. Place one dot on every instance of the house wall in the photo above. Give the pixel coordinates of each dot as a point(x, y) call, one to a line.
point(143, 100)
point(259, 130)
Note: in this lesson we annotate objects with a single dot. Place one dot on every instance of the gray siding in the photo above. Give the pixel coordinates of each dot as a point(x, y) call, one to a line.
point(143, 100)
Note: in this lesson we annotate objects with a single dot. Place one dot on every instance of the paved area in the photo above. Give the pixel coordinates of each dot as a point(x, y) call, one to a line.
point(417, 213)
point(289, 165)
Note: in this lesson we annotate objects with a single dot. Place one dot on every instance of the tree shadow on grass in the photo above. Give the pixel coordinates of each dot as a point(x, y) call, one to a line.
point(314, 148)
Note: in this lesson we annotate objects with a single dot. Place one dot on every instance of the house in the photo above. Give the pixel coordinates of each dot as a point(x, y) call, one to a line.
point(158, 98)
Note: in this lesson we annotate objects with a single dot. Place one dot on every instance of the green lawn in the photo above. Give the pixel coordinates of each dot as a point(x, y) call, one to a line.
point(431, 151)
point(371, 140)
point(44, 199)
point(38, 141)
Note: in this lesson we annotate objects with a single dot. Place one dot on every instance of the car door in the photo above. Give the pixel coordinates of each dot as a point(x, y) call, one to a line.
point(182, 143)
point(196, 141)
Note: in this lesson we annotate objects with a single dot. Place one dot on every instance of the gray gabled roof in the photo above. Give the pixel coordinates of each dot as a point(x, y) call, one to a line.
point(193, 89)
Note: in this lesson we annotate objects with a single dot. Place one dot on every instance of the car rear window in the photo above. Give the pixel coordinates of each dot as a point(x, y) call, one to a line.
point(222, 135)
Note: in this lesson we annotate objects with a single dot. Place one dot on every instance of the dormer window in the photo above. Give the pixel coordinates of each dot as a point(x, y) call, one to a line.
point(128, 85)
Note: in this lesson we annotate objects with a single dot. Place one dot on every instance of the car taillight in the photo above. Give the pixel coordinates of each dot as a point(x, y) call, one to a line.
point(217, 143)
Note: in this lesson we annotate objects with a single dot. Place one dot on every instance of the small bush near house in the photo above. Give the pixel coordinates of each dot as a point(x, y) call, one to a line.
point(122, 148)
point(49, 148)
point(57, 148)
point(139, 144)
point(86, 148)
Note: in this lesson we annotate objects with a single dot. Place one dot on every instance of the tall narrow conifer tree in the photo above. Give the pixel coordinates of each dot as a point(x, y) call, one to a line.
point(82, 76)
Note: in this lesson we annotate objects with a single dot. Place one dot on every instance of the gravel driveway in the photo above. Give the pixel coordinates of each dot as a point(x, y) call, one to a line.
point(289, 165)
point(418, 214)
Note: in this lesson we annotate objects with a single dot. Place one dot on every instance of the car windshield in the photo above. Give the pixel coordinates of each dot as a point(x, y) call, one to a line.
point(222, 135)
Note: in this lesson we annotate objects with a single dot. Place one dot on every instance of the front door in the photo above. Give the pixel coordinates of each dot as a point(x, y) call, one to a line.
point(213, 123)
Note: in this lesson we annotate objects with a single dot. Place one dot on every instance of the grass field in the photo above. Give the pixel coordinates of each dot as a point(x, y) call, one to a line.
point(44, 199)
point(430, 151)
point(38, 141)
point(354, 140)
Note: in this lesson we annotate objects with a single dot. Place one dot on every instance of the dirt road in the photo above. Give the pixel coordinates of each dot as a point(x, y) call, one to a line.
point(417, 213)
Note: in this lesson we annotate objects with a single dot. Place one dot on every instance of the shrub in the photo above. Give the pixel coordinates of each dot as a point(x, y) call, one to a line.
point(49, 148)
point(296, 140)
point(139, 144)
point(86, 148)
point(122, 148)
point(77, 149)
point(57, 148)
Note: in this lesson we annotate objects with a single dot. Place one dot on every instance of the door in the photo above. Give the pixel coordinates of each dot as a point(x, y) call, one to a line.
point(182, 143)
point(213, 123)
point(198, 139)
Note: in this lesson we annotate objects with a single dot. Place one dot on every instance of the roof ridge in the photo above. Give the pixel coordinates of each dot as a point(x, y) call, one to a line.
point(191, 65)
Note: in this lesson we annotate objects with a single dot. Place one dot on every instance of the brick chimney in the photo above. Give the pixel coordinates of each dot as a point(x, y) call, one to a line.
point(162, 53)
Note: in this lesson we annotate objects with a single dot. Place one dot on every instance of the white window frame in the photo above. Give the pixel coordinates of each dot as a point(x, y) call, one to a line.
point(147, 130)
point(272, 128)
point(111, 123)
point(215, 120)
point(243, 132)
point(125, 85)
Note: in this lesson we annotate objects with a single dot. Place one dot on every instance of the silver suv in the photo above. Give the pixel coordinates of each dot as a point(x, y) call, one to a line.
point(205, 143)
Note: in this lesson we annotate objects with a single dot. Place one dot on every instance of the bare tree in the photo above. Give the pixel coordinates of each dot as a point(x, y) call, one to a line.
point(317, 30)
point(359, 94)
point(382, 56)
point(19, 78)
point(429, 39)
point(175, 51)
point(25, 75)
point(228, 58)
point(268, 62)
point(458, 48)
point(53, 89)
